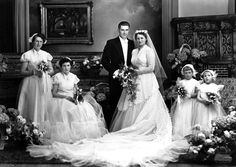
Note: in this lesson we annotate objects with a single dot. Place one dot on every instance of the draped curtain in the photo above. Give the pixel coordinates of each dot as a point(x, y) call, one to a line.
point(21, 25)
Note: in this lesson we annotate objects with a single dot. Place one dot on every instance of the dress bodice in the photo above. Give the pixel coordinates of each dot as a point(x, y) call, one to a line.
point(34, 57)
point(139, 57)
point(65, 83)
point(189, 85)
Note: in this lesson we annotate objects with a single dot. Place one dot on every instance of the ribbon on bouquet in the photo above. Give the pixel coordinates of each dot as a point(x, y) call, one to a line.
point(45, 83)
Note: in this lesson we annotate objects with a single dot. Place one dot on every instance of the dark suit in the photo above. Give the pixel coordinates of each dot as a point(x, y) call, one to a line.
point(112, 59)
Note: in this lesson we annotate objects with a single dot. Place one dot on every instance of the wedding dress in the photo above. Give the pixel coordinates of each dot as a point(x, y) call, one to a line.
point(145, 137)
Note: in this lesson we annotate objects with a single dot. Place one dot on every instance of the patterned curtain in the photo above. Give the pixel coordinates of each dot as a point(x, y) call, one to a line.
point(21, 25)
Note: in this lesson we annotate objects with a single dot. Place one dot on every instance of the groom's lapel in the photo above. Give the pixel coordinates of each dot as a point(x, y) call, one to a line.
point(119, 49)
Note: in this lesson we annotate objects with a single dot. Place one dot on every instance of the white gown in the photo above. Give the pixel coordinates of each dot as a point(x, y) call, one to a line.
point(146, 141)
point(67, 122)
point(183, 110)
point(35, 91)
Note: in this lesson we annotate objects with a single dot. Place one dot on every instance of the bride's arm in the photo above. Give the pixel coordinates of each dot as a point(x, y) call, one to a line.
point(150, 63)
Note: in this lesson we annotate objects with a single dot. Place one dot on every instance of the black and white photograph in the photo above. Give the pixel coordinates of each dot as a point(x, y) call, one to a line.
point(118, 83)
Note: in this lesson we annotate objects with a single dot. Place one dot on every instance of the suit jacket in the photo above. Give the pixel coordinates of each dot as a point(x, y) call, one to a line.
point(113, 56)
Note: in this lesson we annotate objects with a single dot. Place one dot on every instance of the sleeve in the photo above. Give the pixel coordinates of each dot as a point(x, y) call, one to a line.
point(220, 87)
point(49, 57)
point(76, 80)
point(55, 79)
point(106, 58)
point(150, 62)
point(24, 57)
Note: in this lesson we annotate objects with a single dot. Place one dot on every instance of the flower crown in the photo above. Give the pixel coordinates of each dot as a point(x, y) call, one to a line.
point(141, 31)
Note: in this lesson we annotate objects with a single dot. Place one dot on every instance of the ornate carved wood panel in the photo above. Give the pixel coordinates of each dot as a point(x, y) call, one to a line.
point(214, 34)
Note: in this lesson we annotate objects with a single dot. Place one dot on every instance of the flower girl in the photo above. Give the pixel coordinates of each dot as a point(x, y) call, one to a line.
point(182, 108)
point(208, 106)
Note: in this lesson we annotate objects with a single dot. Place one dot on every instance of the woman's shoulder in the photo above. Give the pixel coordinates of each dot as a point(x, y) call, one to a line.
point(27, 56)
point(57, 75)
point(47, 54)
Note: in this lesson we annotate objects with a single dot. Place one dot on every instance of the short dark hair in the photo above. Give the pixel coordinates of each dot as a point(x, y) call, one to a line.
point(65, 60)
point(39, 35)
point(123, 23)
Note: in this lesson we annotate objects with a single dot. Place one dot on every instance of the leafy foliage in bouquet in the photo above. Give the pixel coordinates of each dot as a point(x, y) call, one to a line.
point(43, 66)
point(212, 97)
point(186, 55)
point(181, 91)
point(173, 91)
point(3, 63)
point(101, 92)
point(93, 63)
point(127, 76)
point(15, 129)
point(221, 138)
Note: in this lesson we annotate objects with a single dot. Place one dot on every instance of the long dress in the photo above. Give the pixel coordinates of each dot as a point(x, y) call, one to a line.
point(35, 91)
point(205, 113)
point(67, 122)
point(145, 142)
point(183, 109)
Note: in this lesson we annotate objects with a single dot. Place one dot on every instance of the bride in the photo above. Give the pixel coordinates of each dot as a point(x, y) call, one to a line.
point(141, 128)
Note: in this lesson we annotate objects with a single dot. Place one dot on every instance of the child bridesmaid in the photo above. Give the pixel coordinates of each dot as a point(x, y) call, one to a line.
point(208, 108)
point(182, 108)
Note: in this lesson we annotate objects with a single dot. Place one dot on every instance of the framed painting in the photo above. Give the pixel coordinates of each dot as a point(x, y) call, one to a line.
point(67, 22)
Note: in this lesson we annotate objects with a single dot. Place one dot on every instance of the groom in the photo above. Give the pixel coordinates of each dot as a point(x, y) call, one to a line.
point(117, 52)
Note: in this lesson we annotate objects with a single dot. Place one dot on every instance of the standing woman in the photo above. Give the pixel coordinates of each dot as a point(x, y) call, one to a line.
point(36, 86)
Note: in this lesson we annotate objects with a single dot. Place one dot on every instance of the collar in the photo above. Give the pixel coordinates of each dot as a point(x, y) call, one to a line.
point(35, 51)
point(123, 40)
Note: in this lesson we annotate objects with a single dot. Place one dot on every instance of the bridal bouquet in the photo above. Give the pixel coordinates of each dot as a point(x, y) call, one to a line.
point(212, 97)
point(43, 66)
point(127, 76)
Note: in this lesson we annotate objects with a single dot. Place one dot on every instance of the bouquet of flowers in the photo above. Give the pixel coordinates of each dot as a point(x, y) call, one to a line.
point(100, 92)
point(3, 63)
point(221, 138)
point(127, 77)
point(79, 96)
point(186, 55)
point(212, 97)
point(93, 63)
point(15, 129)
point(181, 91)
point(43, 66)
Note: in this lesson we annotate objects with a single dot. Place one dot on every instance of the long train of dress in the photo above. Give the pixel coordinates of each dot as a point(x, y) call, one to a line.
point(147, 142)
point(144, 135)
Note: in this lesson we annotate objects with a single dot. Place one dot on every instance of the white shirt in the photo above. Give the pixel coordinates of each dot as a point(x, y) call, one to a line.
point(124, 44)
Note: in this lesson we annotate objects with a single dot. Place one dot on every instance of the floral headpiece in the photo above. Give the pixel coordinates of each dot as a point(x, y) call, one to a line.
point(31, 38)
point(213, 73)
point(141, 31)
point(192, 68)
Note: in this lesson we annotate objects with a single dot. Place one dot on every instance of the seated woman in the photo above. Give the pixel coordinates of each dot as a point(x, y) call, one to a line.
point(67, 119)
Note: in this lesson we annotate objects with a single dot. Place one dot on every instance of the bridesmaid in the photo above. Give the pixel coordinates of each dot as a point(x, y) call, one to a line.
point(68, 119)
point(35, 89)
